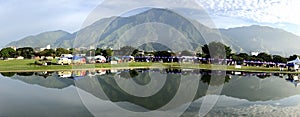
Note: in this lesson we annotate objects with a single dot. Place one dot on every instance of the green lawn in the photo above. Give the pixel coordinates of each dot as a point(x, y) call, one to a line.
point(29, 65)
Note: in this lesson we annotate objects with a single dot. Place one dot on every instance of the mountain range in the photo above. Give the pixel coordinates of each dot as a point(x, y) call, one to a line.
point(169, 29)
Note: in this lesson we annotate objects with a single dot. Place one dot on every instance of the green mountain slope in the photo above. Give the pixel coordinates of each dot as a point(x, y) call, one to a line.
point(170, 30)
point(40, 40)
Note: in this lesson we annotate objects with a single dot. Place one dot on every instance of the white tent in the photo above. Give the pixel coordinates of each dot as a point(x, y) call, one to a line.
point(296, 61)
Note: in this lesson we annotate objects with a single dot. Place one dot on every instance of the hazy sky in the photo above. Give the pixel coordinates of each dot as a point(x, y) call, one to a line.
point(19, 19)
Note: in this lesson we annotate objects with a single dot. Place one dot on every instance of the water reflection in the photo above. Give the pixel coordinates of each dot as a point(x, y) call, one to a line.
point(241, 89)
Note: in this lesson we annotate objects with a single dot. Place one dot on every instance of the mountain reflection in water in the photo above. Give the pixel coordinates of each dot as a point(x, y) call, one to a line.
point(242, 91)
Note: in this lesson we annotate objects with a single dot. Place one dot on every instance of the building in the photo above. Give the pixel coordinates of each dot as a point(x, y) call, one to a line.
point(48, 47)
point(254, 53)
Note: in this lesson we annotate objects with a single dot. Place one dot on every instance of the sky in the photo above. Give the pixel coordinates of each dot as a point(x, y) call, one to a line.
point(19, 19)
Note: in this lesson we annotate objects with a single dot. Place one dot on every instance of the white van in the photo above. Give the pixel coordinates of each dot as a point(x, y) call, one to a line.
point(62, 61)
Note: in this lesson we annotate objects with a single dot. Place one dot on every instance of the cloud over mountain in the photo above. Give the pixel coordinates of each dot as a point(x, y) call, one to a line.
point(267, 11)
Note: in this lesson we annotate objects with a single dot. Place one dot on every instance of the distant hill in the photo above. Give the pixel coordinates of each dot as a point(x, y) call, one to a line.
point(263, 39)
point(40, 40)
point(171, 30)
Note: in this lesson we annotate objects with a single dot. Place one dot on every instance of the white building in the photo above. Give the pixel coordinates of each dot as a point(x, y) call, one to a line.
point(48, 47)
point(254, 53)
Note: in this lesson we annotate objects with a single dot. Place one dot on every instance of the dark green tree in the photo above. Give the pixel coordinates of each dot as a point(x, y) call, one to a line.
point(98, 51)
point(216, 50)
point(245, 56)
point(293, 57)
point(107, 53)
point(162, 54)
point(60, 51)
point(265, 57)
point(279, 59)
point(47, 52)
point(135, 52)
point(8, 53)
point(8, 74)
point(26, 52)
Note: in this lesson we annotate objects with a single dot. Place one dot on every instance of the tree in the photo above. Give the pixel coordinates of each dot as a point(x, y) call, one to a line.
point(8, 53)
point(245, 56)
point(60, 51)
point(265, 57)
point(292, 57)
point(106, 53)
point(8, 74)
point(237, 58)
point(98, 51)
point(135, 52)
point(162, 54)
point(186, 53)
point(216, 50)
point(72, 51)
point(26, 52)
point(47, 52)
point(279, 59)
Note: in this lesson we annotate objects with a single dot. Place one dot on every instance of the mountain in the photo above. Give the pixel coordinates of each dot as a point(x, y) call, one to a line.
point(40, 40)
point(155, 25)
point(263, 39)
point(169, 29)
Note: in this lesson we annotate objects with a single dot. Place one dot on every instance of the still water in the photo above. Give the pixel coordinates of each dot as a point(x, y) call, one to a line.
point(148, 92)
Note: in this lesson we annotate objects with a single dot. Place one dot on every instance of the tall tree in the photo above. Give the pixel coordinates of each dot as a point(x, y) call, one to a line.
point(216, 50)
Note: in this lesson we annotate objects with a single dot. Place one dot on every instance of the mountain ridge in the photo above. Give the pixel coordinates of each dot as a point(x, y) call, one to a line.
point(112, 32)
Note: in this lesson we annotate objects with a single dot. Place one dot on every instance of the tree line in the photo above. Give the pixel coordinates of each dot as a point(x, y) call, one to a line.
point(219, 50)
point(29, 53)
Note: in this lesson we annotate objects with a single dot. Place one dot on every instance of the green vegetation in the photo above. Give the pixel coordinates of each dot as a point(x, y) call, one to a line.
point(28, 65)
point(7, 53)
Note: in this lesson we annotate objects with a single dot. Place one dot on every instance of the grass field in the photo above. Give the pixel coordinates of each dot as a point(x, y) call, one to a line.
point(29, 65)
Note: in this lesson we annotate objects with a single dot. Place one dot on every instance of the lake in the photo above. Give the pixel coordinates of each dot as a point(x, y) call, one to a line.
point(149, 93)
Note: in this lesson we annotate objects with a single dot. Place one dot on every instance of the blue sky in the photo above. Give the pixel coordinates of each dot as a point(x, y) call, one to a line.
point(19, 19)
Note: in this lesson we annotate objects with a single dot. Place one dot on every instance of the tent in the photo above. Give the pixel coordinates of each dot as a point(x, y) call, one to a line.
point(294, 63)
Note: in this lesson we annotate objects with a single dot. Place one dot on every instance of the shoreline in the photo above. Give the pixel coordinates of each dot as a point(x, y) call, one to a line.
point(29, 66)
point(145, 67)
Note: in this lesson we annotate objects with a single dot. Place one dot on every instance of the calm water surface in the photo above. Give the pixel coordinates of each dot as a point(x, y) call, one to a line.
point(144, 92)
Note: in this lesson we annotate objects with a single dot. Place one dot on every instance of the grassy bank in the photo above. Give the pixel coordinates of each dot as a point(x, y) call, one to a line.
point(29, 65)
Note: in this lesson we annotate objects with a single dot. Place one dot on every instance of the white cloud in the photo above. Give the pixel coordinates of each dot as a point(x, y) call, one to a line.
point(23, 18)
point(263, 11)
